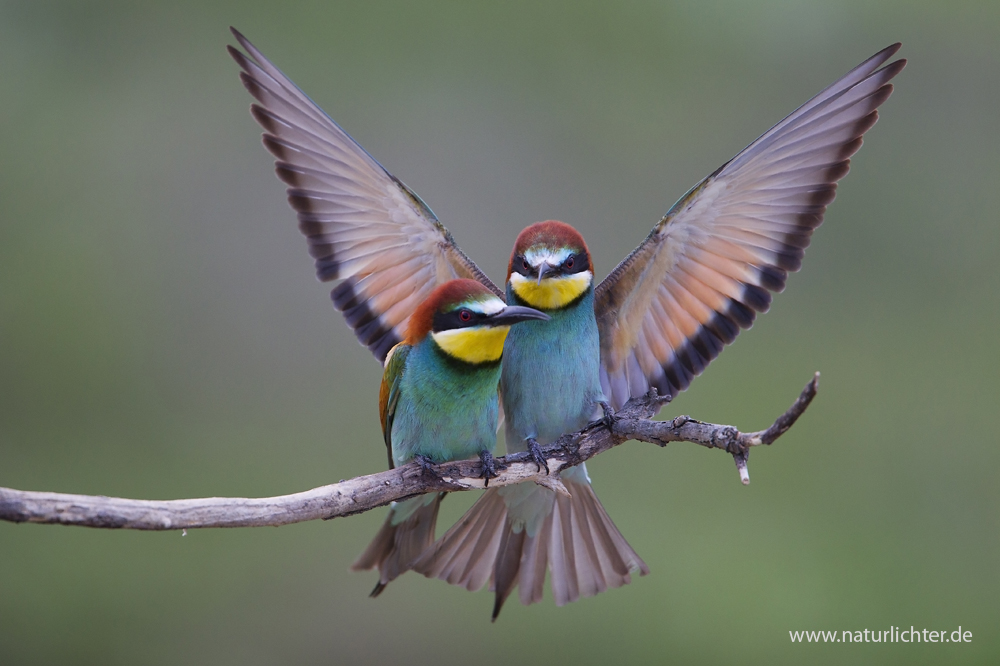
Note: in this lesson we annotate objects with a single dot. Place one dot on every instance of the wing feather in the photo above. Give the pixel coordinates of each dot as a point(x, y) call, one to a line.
point(362, 225)
point(713, 261)
point(388, 393)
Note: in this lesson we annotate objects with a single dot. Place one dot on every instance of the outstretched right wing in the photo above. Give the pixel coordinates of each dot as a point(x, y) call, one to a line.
point(712, 262)
point(363, 225)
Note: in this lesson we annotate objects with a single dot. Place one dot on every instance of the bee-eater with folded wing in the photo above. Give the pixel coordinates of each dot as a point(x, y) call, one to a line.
point(394, 258)
point(438, 402)
point(700, 276)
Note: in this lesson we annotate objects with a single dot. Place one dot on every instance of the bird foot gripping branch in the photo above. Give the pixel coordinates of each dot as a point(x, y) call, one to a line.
point(535, 452)
point(609, 414)
point(491, 467)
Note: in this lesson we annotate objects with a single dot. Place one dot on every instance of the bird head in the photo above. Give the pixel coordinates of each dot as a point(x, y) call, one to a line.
point(550, 266)
point(467, 321)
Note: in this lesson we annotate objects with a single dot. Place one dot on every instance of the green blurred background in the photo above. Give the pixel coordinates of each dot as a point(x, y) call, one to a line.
point(162, 334)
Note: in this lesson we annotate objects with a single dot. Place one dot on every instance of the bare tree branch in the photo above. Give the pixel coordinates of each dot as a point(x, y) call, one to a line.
point(368, 492)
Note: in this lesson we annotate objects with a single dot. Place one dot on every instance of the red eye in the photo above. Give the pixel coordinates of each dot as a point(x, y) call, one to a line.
point(570, 262)
point(524, 264)
point(465, 315)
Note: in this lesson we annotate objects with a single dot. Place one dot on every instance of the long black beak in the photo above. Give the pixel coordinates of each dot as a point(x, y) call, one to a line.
point(515, 313)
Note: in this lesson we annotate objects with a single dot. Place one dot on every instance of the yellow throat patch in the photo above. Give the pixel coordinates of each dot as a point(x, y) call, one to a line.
point(476, 344)
point(553, 293)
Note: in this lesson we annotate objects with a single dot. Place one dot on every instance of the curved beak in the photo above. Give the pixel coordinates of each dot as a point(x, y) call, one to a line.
point(515, 313)
point(542, 269)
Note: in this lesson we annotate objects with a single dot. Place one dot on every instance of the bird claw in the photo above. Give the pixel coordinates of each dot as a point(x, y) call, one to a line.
point(535, 451)
point(426, 464)
point(491, 467)
point(609, 414)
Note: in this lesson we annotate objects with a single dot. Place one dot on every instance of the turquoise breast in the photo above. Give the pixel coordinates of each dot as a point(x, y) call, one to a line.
point(550, 381)
point(447, 409)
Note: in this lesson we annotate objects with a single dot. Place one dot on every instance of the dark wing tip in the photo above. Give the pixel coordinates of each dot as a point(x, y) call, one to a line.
point(691, 357)
point(772, 278)
point(327, 269)
point(264, 118)
point(236, 54)
point(725, 328)
point(894, 68)
point(367, 324)
point(280, 149)
point(251, 84)
point(889, 51)
point(290, 175)
point(243, 41)
point(756, 298)
point(741, 314)
point(876, 60)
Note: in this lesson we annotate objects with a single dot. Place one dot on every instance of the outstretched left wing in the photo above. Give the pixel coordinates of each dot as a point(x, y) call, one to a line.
point(363, 225)
point(712, 262)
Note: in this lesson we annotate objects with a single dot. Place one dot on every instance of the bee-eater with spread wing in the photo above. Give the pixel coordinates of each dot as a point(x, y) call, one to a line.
point(400, 291)
point(657, 320)
point(438, 402)
point(700, 276)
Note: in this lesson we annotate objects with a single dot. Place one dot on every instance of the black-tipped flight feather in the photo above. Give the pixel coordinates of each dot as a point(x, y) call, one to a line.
point(702, 274)
point(712, 262)
point(363, 225)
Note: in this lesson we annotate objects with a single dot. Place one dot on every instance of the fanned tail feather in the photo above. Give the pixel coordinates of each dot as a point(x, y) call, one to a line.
point(465, 555)
point(395, 547)
point(587, 554)
point(576, 541)
point(508, 566)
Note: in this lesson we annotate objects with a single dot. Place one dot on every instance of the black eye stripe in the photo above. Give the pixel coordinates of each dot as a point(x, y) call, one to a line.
point(574, 263)
point(580, 263)
point(521, 266)
point(447, 321)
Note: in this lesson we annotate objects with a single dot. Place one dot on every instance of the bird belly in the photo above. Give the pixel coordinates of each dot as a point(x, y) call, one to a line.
point(550, 379)
point(444, 413)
